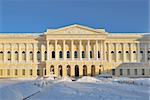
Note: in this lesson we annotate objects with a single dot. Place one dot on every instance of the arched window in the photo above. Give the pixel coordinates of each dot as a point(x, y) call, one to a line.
point(83, 54)
point(75, 54)
point(23, 55)
point(53, 54)
point(31, 55)
point(45, 55)
point(98, 54)
point(134, 55)
point(91, 54)
point(1, 55)
point(127, 56)
point(38, 56)
point(68, 54)
point(8, 55)
point(119, 55)
point(16, 55)
point(60, 54)
point(112, 56)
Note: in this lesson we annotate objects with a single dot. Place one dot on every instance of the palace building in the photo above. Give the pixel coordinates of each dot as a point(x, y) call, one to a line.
point(74, 51)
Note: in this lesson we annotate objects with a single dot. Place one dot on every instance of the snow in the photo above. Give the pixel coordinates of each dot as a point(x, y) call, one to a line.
point(85, 88)
point(88, 79)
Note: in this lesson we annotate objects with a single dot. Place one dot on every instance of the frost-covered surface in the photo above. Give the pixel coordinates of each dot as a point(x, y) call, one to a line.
point(85, 88)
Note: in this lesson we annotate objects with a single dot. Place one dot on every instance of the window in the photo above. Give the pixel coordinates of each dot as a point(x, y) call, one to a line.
point(68, 54)
point(38, 56)
point(30, 71)
point(1, 55)
point(128, 71)
point(112, 56)
point(98, 54)
point(45, 55)
point(113, 71)
point(83, 54)
point(31, 55)
point(23, 55)
point(119, 55)
point(75, 54)
point(134, 55)
point(16, 55)
point(53, 54)
point(135, 71)
point(121, 71)
point(23, 72)
point(38, 72)
point(60, 54)
point(127, 55)
point(1, 72)
point(91, 54)
point(8, 55)
point(16, 72)
point(148, 51)
point(141, 51)
point(143, 72)
point(8, 72)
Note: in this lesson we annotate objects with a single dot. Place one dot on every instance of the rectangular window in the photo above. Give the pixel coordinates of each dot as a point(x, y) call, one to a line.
point(113, 71)
point(8, 72)
point(143, 72)
point(23, 72)
point(128, 71)
point(135, 71)
point(30, 71)
point(1, 72)
point(38, 72)
point(16, 72)
point(121, 71)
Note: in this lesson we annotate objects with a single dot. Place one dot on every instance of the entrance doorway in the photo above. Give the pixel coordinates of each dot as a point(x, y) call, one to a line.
point(84, 70)
point(68, 70)
point(60, 70)
point(76, 71)
point(93, 70)
point(52, 70)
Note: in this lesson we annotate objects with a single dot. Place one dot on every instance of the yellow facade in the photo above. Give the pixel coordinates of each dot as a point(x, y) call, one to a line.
point(74, 51)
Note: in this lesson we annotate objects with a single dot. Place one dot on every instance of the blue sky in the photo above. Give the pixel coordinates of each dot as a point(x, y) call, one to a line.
point(39, 15)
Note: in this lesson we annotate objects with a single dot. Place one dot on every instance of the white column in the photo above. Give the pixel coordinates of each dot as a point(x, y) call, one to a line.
point(12, 53)
point(123, 52)
point(72, 50)
point(80, 49)
point(109, 53)
point(5, 53)
point(101, 50)
point(35, 52)
point(131, 53)
point(104, 53)
point(96, 50)
point(19, 52)
point(27, 53)
point(116, 52)
point(48, 51)
point(88, 49)
point(56, 51)
point(64, 50)
point(138, 52)
point(145, 52)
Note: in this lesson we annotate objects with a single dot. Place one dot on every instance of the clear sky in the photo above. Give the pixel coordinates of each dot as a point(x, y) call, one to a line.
point(39, 15)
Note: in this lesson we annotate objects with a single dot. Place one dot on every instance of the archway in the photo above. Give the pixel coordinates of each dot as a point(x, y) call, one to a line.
point(84, 70)
point(52, 70)
point(93, 70)
point(76, 71)
point(60, 70)
point(68, 70)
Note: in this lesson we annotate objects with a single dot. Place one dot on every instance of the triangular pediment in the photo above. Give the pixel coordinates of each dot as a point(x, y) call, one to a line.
point(75, 29)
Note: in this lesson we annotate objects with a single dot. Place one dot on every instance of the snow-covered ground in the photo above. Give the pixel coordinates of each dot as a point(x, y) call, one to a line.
point(85, 88)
